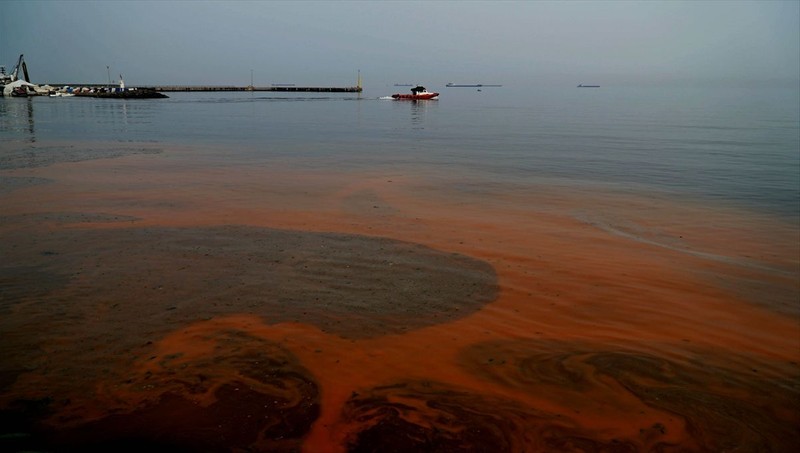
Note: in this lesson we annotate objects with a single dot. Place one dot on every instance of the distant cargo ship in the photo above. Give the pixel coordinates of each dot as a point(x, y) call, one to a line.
point(475, 85)
point(588, 86)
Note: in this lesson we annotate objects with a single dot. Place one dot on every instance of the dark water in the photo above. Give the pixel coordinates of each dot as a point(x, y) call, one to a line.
point(726, 144)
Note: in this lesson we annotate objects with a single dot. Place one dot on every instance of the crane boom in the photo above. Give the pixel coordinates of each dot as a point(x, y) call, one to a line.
point(25, 71)
point(15, 71)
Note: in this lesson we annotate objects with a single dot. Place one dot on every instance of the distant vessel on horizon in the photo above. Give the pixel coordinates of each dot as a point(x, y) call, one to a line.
point(475, 85)
point(404, 84)
point(588, 86)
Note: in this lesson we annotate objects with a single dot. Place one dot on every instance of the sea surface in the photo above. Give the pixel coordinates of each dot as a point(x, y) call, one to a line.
point(515, 268)
point(727, 144)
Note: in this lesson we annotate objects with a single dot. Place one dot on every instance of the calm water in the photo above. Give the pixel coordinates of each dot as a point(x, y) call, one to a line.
point(729, 145)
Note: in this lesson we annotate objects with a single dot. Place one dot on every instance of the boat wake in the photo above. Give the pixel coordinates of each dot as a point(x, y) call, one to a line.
point(386, 98)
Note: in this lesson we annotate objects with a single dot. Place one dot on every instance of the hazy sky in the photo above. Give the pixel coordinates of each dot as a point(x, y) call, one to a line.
point(325, 43)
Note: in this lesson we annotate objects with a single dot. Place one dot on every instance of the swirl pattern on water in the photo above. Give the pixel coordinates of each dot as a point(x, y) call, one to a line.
point(240, 392)
point(435, 417)
point(724, 407)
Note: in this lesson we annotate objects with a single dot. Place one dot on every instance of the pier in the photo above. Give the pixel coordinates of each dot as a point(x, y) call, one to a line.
point(282, 88)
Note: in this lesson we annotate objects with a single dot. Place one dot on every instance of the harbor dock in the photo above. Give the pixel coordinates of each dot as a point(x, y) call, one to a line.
point(281, 88)
point(112, 91)
point(12, 85)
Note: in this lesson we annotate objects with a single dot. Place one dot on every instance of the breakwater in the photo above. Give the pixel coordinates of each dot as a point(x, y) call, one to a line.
point(168, 88)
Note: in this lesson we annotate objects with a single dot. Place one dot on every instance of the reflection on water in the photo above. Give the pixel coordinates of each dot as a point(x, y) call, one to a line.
point(418, 114)
point(84, 118)
point(16, 115)
point(115, 114)
point(417, 111)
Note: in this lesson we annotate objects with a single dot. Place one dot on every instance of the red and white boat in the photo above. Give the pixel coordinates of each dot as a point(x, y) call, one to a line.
point(418, 93)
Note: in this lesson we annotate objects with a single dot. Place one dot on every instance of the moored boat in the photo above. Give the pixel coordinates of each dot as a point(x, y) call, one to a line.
point(130, 93)
point(12, 85)
point(418, 93)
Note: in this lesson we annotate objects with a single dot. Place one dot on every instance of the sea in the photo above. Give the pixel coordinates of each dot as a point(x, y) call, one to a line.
point(725, 144)
point(507, 269)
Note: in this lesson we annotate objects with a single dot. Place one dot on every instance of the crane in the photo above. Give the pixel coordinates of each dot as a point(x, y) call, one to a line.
point(15, 71)
point(13, 85)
